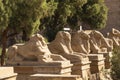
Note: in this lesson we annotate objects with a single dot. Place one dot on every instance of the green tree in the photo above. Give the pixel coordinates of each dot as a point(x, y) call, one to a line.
point(95, 13)
point(4, 20)
point(66, 14)
point(73, 13)
point(25, 17)
point(115, 68)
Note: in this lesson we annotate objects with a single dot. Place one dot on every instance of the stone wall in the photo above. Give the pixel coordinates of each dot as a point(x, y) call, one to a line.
point(113, 15)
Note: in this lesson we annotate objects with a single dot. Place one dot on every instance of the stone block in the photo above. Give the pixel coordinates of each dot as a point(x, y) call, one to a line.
point(43, 68)
point(6, 73)
point(108, 57)
point(82, 68)
point(97, 66)
point(54, 77)
point(97, 63)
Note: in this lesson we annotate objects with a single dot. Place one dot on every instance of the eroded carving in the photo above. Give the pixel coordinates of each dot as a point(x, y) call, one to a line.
point(34, 50)
point(80, 42)
point(99, 43)
point(62, 45)
point(115, 36)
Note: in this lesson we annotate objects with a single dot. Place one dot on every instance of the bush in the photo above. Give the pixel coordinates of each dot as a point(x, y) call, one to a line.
point(116, 64)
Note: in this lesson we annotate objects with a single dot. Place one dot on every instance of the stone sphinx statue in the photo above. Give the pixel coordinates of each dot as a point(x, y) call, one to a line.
point(100, 44)
point(34, 50)
point(115, 36)
point(80, 42)
point(62, 46)
point(34, 57)
point(61, 43)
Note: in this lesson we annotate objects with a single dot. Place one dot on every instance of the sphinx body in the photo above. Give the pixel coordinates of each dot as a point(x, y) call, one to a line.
point(98, 43)
point(115, 36)
point(62, 46)
point(80, 42)
point(34, 50)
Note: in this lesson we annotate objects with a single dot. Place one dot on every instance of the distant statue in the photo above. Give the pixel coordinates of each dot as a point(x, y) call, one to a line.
point(115, 36)
point(98, 43)
point(34, 50)
point(62, 46)
point(80, 42)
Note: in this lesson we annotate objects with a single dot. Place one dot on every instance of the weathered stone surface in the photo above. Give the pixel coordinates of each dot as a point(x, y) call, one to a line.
point(80, 42)
point(54, 77)
point(62, 45)
point(97, 62)
point(48, 68)
point(99, 44)
point(97, 66)
point(113, 16)
point(115, 36)
point(35, 57)
point(34, 50)
point(7, 73)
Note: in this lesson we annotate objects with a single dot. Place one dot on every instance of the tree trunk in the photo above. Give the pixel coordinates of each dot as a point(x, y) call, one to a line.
point(24, 36)
point(4, 46)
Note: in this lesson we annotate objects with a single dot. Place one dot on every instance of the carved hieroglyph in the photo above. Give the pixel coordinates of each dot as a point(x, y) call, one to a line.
point(99, 43)
point(115, 36)
point(80, 42)
point(34, 50)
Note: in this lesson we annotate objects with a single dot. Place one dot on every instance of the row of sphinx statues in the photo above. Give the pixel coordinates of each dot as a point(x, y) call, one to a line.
point(76, 45)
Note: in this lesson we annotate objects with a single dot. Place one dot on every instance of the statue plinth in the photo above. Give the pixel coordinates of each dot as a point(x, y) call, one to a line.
point(42, 68)
point(54, 77)
point(82, 68)
point(97, 65)
point(62, 46)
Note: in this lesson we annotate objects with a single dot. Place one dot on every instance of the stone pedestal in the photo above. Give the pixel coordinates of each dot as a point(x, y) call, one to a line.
point(62, 68)
point(82, 68)
point(107, 61)
point(6, 73)
point(54, 77)
point(97, 66)
point(107, 57)
point(27, 68)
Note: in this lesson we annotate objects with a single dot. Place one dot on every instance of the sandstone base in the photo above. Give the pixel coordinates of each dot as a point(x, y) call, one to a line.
point(108, 57)
point(82, 69)
point(6, 73)
point(62, 68)
point(97, 66)
point(54, 77)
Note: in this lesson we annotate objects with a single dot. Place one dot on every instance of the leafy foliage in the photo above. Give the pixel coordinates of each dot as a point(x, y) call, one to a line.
point(71, 13)
point(66, 14)
point(22, 16)
point(4, 15)
point(95, 14)
point(27, 15)
point(116, 64)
